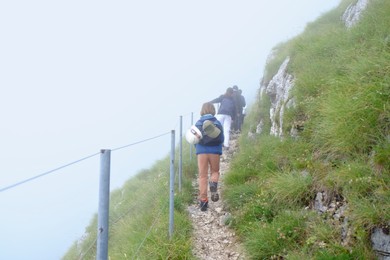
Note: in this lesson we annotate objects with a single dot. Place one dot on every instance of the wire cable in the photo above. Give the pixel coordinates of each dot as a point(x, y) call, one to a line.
point(74, 162)
point(147, 234)
point(46, 173)
point(122, 147)
point(83, 254)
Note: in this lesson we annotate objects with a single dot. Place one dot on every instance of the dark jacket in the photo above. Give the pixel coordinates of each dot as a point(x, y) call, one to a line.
point(227, 107)
point(208, 144)
point(240, 102)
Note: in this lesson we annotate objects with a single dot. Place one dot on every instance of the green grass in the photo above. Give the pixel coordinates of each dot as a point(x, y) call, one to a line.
point(291, 188)
point(272, 240)
point(139, 217)
point(342, 102)
point(342, 97)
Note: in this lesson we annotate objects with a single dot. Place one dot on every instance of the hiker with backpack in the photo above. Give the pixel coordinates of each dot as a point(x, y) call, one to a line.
point(208, 144)
point(226, 113)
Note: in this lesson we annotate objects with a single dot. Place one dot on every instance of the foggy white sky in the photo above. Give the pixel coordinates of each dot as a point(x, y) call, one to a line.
point(80, 76)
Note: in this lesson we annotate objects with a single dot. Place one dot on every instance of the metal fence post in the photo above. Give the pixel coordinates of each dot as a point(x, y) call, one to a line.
point(171, 184)
point(192, 122)
point(103, 212)
point(181, 153)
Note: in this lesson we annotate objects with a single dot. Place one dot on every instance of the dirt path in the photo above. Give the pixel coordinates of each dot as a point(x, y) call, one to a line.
point(213, 239)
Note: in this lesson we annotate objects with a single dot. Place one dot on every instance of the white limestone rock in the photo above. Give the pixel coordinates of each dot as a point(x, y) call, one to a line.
point(353, 13)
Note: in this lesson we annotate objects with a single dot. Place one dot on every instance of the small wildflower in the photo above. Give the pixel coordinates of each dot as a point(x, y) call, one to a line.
point(321, 244)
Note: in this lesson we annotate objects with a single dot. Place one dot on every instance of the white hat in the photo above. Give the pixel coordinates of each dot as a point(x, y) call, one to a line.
point(193, 135)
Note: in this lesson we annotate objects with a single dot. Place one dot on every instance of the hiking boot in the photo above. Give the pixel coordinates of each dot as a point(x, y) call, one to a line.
point(203, 205)
point(213, 190)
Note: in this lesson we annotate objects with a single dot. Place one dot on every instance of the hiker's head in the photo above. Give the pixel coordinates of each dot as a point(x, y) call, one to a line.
point(229, 92)
point(207, 108)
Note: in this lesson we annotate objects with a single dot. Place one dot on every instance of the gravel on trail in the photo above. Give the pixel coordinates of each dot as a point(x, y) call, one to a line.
point(212, 237)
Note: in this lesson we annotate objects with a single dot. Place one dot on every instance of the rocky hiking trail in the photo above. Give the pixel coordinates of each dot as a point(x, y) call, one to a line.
point(212, 237)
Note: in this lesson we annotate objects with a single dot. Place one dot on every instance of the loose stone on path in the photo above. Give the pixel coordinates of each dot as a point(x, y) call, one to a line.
point(212, 237)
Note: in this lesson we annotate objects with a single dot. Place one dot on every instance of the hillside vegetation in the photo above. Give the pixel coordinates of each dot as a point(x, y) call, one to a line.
point(342, 106)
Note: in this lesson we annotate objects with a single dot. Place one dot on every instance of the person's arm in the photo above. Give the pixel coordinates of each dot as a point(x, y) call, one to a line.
point(217, 100)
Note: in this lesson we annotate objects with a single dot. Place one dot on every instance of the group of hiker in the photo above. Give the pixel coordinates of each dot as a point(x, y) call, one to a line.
point(211, 134)
point(231, 111)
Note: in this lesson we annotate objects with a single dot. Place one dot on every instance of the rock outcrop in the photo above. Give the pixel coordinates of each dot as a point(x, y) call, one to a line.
point(278, 89)
point(380, 239)
point(353, 13)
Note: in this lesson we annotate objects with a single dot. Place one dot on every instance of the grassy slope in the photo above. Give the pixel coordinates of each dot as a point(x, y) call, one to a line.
point(342, 93)
point(139, 217)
